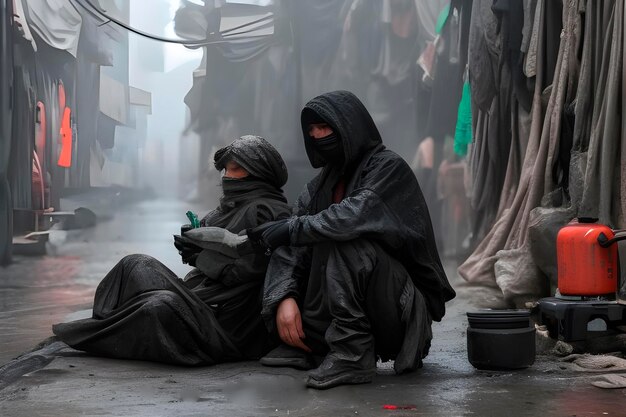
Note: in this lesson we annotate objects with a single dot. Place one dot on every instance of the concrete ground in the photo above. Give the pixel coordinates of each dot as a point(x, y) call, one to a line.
point(37, 292)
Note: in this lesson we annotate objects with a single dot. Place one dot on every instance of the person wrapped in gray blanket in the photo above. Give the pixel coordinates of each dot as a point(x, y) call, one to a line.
point(142, 310)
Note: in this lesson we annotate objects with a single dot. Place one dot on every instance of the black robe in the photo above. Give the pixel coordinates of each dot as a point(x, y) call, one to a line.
point(142, 310)
point(384, 214)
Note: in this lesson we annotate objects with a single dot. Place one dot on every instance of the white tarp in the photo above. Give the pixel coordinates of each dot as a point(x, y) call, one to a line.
point(57, 22)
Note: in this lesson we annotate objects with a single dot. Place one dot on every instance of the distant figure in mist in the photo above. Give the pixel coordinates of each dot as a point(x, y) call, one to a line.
point(142, 310)
point(356, 273)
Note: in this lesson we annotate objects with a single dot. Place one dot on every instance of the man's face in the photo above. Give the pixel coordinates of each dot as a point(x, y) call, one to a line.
point(234, 170)
point(319, 130)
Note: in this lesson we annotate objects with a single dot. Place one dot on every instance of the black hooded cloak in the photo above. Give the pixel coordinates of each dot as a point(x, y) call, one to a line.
point(143, 311)
point(383, 206)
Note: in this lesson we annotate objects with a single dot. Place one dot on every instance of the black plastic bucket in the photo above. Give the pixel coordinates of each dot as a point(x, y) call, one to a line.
point(500, 339)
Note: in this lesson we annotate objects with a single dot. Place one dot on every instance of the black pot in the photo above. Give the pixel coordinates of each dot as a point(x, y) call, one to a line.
point(499, 319)
point(487, 312)
point(500, 339)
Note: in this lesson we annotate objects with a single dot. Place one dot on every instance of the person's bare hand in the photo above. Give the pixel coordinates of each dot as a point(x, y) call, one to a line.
point(289, 323)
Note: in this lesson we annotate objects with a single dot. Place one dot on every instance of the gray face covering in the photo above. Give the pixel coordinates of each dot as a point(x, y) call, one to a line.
point(238, 189)
point(329, 147)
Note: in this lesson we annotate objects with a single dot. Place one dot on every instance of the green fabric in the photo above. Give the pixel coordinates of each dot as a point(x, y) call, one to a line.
point(441, 20)
point(463, 133)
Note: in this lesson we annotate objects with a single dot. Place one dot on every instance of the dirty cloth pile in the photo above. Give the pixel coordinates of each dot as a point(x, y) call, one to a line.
point(600, 363)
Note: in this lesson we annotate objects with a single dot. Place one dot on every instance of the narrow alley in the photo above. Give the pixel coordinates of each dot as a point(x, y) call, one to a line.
point(72, 383)
point(348, 207)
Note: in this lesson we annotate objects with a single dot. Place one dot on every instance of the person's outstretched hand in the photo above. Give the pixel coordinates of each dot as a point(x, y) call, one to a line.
point(289, 324)
point(271, 234)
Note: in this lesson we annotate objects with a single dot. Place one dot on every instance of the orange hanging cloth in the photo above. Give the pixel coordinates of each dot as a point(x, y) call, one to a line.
point(65, 156)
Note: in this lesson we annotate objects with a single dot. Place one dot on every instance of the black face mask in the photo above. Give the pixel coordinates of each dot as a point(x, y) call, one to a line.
point(236, 190)
point(235, 186)
point(329, 147)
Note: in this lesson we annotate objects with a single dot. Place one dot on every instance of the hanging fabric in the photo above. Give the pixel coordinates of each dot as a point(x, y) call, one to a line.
point(65, 157)
point(38, 188)
point(463, 133)
point(40, 133)
point(57, 22)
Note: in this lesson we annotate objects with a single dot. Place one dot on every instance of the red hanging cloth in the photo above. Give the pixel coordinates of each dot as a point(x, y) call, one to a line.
point(65, 156)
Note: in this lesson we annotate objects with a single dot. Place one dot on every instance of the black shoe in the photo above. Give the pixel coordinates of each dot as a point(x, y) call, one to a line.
point(285, 355)
point(334, 371)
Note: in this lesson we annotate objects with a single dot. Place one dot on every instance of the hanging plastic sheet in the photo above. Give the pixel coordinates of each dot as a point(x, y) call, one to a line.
point(57, 22)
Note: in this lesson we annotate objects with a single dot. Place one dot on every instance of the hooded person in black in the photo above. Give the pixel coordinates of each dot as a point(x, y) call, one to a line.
point(355, 273)
point(142, 310)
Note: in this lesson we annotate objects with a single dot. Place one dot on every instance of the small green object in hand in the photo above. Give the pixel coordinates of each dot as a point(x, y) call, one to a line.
point(193, 219)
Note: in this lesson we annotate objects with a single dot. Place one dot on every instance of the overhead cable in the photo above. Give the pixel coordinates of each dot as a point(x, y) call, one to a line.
point(186, 42)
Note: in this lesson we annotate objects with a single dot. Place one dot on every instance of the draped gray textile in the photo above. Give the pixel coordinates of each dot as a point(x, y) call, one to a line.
point(602, 184)
point(497, 98)
point(574, 160)
point(499, 93)
point(56, 22)
point(484, 53)
point(588, 105)
point(510, 231)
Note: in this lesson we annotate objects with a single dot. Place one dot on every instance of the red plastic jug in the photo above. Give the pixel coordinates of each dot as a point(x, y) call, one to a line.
point(587, 260)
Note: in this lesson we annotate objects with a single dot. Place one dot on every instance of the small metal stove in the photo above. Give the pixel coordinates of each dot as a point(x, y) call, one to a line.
point(572, 321)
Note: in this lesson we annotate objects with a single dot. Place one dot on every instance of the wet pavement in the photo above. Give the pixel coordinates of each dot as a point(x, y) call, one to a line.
point(37, 292)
